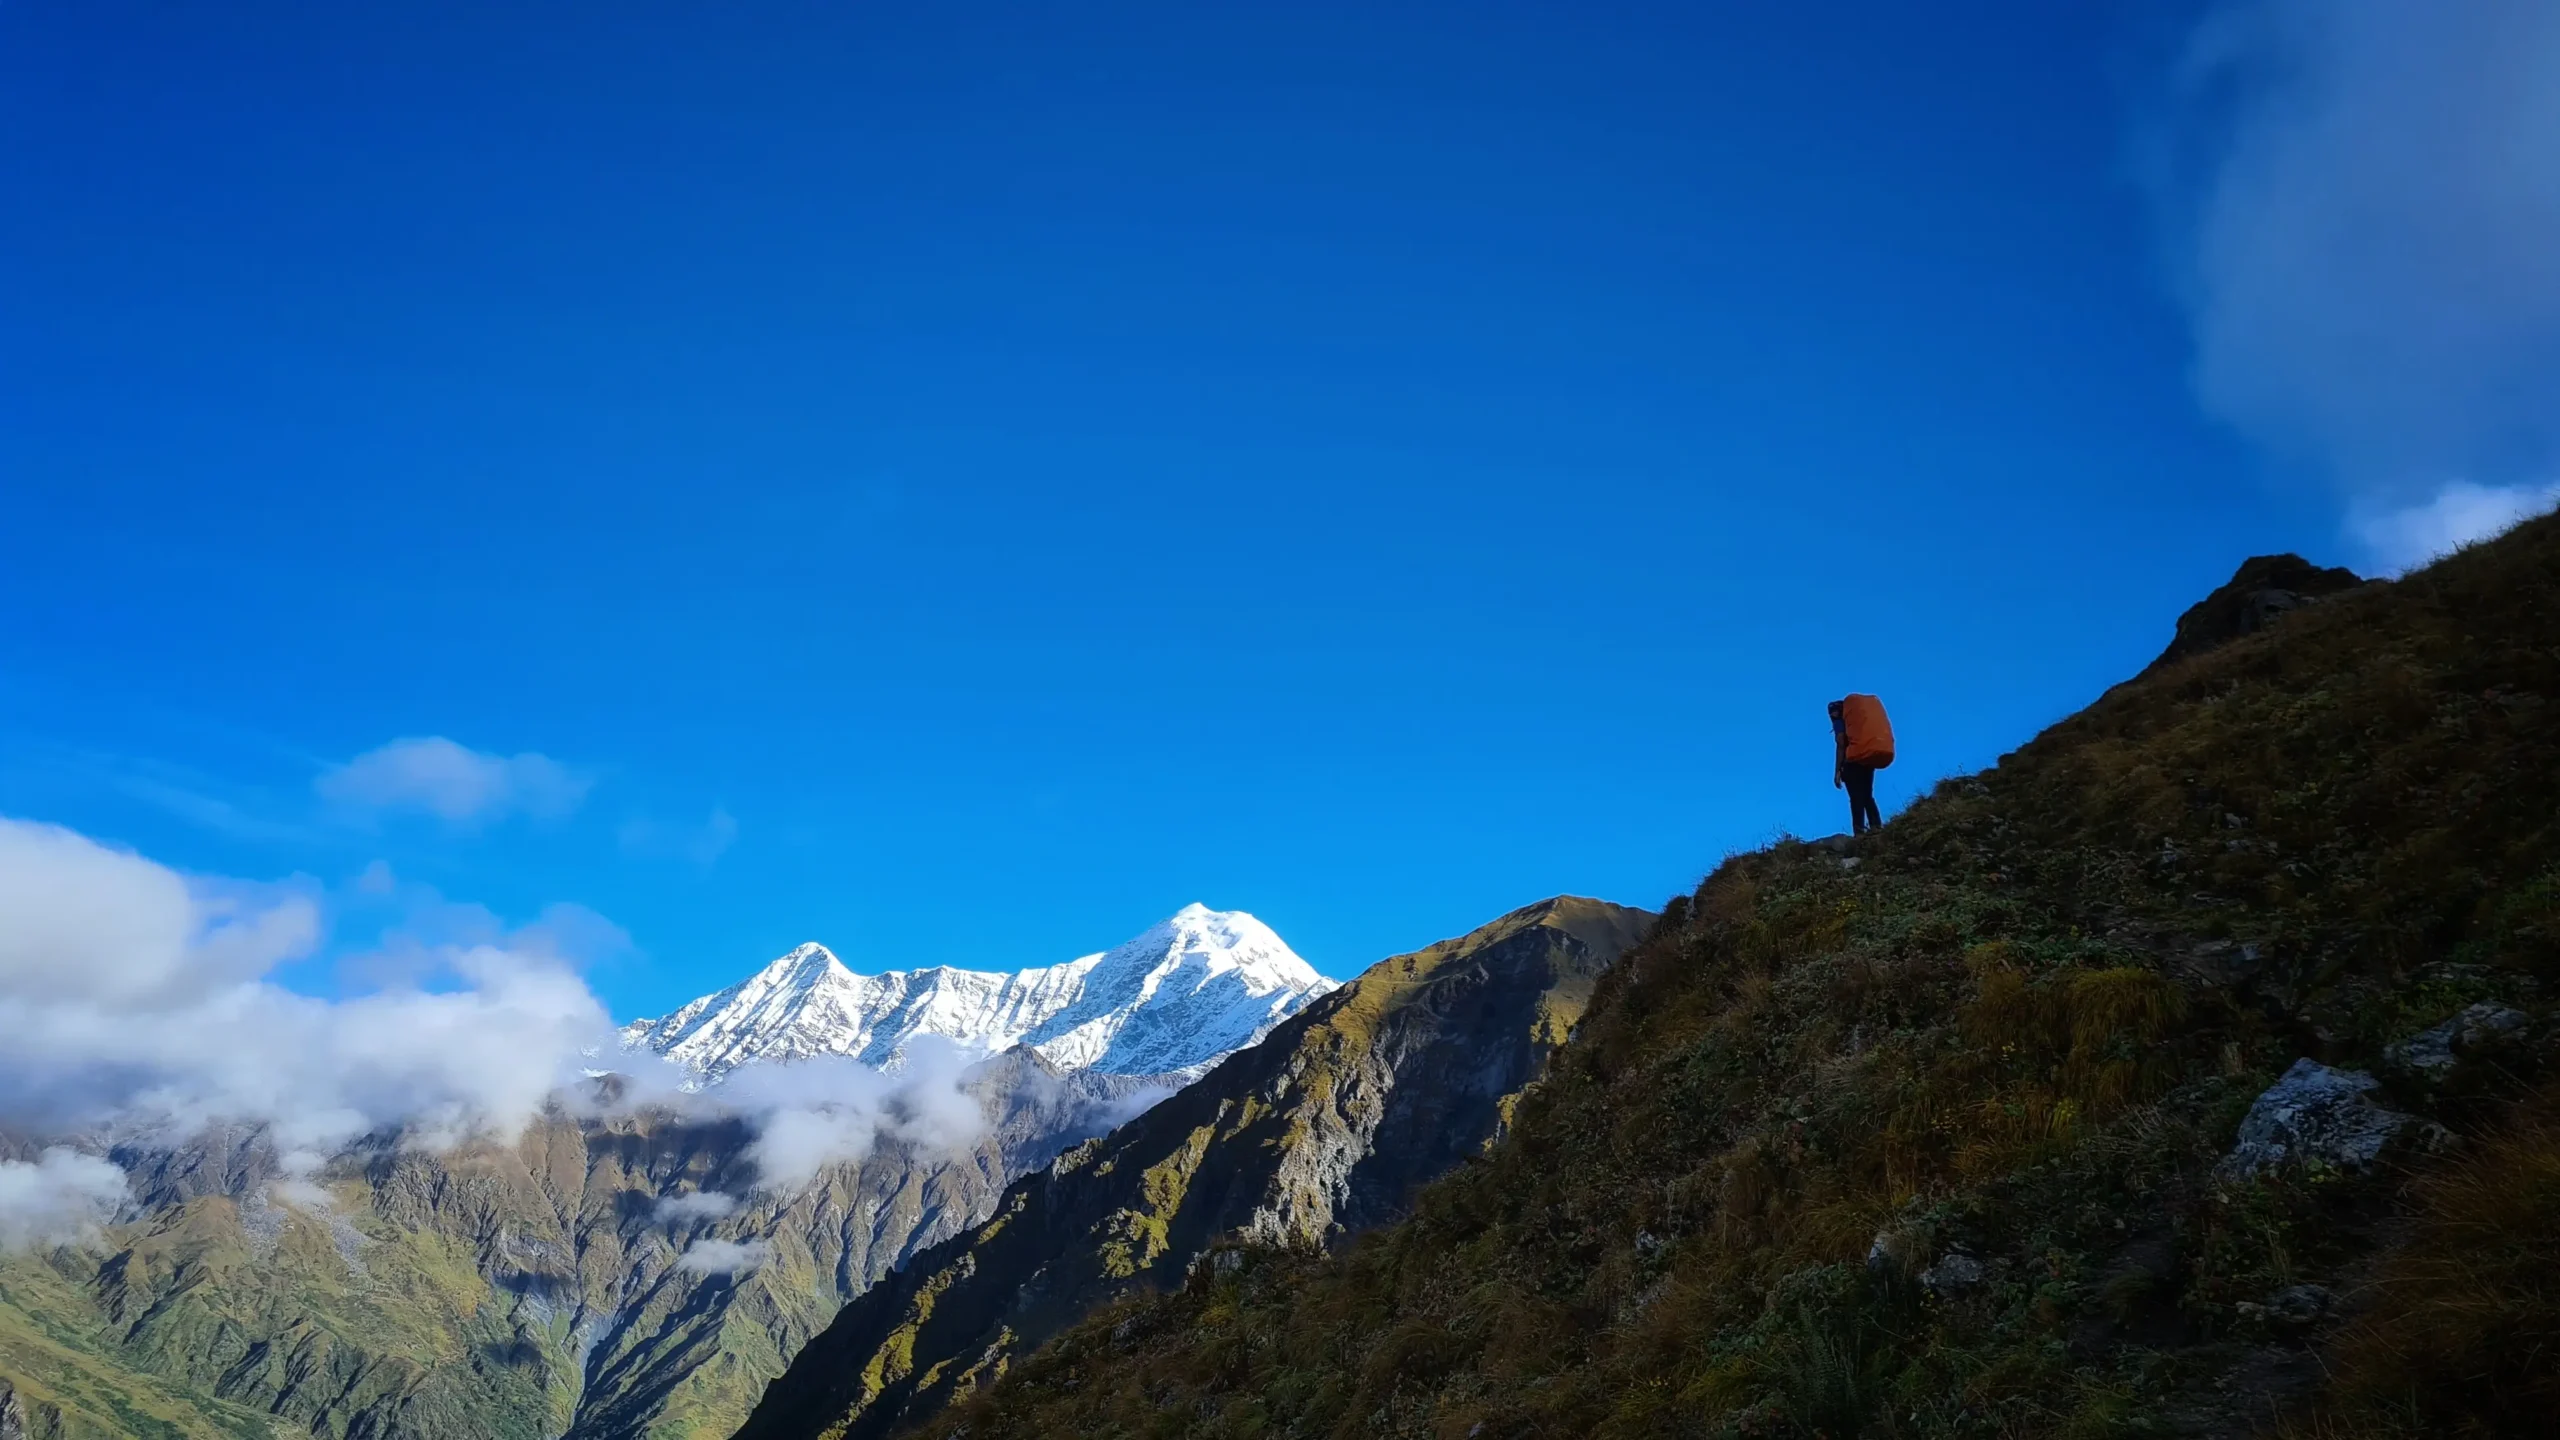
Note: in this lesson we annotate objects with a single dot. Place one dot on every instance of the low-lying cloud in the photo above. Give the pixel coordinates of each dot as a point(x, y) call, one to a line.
point(692, 1206)
point(141, 1008)
point(832, 1109)
point(724, 1257)
point(2364, 197)
point(59, 1198)
point(454, 782)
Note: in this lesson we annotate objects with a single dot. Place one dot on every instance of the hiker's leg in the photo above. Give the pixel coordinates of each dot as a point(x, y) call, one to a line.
point(1857, 815)
point(1862, 797)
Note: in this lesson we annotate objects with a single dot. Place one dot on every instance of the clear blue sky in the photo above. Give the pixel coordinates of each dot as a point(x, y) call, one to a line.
point(1032, 466)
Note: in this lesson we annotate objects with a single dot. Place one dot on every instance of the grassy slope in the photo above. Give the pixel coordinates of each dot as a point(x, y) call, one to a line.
point(498, 1292)
point(2024, 1026)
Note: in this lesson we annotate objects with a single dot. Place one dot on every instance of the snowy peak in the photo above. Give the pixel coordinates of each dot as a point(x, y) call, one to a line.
point(1179, 997)
point(1220, 942)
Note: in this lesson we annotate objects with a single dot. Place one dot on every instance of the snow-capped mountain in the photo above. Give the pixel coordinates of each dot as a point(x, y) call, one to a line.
point(1177, 998)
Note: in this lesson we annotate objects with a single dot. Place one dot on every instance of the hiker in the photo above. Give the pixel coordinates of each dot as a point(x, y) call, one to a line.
point(1861, 745)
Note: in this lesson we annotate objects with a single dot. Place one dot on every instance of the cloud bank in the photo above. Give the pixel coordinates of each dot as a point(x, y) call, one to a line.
point(140, 1007)
point(2364, 196)
point(831, 1109)
point(59, 1199)
point(455, 783)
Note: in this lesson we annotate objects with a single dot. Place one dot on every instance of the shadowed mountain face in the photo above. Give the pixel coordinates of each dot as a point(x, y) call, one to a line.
point(592, 1279)
point(2189, 1072)
point(1328, 1125)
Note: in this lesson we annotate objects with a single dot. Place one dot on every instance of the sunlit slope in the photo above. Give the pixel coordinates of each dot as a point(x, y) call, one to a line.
point(1928, 1143)
point(531, 1289)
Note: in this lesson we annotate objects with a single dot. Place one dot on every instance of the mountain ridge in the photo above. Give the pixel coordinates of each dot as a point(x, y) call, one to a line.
point(619, 1270)
point(1322, 1128)
point(2189, 1071)
point(1186, 990)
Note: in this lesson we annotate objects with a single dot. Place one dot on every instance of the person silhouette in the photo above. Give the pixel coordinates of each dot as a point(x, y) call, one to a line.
point(1858, 777)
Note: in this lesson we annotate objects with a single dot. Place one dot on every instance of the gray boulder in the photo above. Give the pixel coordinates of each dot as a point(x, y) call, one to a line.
point(2318, 1116)
point(2435, 1052)
point(1954, 1274)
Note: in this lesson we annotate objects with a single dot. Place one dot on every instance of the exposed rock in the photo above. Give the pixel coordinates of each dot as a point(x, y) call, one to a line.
point(1954, 1274)
point(2315, 1115)
point(2265, 588)
point(2299, 1306)
point(2435, 1052)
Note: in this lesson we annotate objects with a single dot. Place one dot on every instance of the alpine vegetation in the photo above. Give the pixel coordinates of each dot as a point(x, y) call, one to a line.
point(500, 1218)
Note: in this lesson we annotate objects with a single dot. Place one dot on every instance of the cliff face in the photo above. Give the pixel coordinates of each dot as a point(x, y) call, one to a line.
point(592, 1280)
point(1328, 1125)
point(2189, 1072)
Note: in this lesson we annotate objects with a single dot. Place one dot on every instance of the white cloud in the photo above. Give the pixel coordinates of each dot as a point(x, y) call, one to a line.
point(724, 1257)
point(2411, 535)
point(136, 998)
point(455, 783)
point(81, 922)
point(59, 1199)
point(136, 1002)
point(2366, 198)
point(695, 1205)
point(832, 1109)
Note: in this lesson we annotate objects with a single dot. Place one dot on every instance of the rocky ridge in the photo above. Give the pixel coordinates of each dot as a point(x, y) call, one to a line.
point(1325, 1127)
point(1189, 989)
point(2192, 1071)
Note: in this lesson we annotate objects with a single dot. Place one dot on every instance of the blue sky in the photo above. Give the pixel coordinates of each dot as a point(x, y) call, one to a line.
point(961, 481)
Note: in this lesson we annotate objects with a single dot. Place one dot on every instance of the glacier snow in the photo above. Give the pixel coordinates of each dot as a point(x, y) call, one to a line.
point(1187, 992)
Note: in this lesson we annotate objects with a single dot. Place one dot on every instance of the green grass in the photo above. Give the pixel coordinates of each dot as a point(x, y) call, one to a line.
point(2024, 1027)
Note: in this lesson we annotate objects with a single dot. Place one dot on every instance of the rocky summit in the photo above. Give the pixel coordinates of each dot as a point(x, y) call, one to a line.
point(1190, 989)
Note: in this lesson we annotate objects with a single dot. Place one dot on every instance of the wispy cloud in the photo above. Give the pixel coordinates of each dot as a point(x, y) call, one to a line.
point(2365, 199)
point(141, 1003)
point(2411, 535)
point(61, 1198)
point(724, 1257)
point(658, 839)
point(692, 1206)
point(454, 782)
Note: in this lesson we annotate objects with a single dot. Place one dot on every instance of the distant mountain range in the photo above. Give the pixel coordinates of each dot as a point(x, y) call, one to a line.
point(1325, 1127)
point(600, 1278)
point(1191, 989)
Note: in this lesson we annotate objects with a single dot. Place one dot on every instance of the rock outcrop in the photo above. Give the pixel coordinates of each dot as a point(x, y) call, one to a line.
point(2314, 1115)
point(2264, 588)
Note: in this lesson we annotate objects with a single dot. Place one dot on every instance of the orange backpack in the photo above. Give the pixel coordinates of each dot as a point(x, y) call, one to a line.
point(1870, 734)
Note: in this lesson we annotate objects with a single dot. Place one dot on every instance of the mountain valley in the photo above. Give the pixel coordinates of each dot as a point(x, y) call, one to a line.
point(627, 1266)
